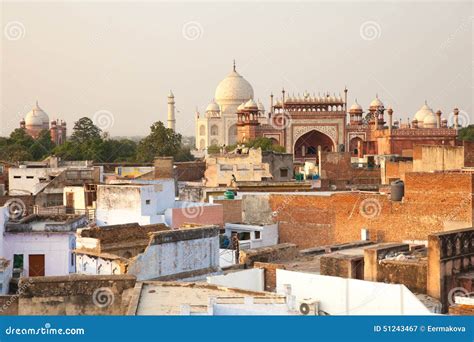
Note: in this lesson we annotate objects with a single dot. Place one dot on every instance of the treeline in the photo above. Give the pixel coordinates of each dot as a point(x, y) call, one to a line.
point(88, 142)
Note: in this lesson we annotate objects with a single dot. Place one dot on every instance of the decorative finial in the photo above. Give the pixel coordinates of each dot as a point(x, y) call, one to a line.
point(426, 102)
point(234, 65)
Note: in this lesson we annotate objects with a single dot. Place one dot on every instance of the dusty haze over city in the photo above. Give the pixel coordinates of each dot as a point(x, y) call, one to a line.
point(124, 57)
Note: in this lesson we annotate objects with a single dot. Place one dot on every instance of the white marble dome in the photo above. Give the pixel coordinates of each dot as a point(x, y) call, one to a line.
point(430, 121)
point(250, 104)
point(356, 106)
point(212, 107)
point(376, 102)
point(234, 89)
point(37, 117)
point(423, 112)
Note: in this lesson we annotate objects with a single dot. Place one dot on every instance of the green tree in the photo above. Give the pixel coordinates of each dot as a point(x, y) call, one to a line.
point(467, 133)
point(266, 144)
point(84, 130)
point(161, 141)
point(42, 146)
point(14, 153)
point(213, 149)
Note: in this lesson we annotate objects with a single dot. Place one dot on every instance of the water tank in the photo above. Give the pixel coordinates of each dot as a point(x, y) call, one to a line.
point(397, 190)
point(229, 194)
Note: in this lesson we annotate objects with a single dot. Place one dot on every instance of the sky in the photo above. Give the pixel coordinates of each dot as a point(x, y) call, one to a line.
point(115, 62)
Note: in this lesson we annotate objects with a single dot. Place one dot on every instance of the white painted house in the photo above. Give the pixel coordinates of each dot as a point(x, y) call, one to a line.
point(253, 236)
point(144, 202)
point(41, 246)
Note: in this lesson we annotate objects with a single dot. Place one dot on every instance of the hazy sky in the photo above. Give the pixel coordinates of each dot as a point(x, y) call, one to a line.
point(122, 58)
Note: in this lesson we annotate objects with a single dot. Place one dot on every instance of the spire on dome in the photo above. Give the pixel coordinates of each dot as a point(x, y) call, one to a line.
point(234, 65)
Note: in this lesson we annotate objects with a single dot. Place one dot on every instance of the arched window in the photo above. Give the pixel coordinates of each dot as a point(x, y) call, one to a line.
point(202, 130)
point(214, 130)
point(202, 144)
point(214, 142)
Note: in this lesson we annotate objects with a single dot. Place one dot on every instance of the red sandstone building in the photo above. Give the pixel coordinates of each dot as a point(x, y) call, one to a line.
point(304, 124)
point(37, 120)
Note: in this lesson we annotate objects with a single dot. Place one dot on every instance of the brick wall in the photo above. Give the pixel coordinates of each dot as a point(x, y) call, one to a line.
point(468, 153)
point(189, 171)
point(269, 273)
point(281, 252)
point(340, 265)
point(433, 202)
point(412, 274)
point(232, 210)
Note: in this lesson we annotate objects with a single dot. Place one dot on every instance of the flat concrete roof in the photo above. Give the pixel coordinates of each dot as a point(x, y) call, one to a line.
point(166, 298)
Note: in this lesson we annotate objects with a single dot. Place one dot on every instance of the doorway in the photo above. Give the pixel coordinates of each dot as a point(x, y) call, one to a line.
point(36, 265)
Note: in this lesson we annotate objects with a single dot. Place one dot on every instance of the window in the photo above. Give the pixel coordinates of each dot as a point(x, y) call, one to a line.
point(243, 236)
point(1, 169)
point(17, 177)
point(147, 201)
point(202, 130)
point(283, 172)
point(214, 130)
point(18, 261)
point(257, 235)
point(29, 177)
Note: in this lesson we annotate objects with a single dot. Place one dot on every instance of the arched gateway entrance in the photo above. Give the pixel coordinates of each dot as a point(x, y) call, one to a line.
point(306, 147)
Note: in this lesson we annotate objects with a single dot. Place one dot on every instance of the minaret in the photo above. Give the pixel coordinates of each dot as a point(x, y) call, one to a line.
point(171, 118)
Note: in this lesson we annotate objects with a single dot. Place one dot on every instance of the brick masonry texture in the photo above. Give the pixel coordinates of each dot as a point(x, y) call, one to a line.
point(433, 202)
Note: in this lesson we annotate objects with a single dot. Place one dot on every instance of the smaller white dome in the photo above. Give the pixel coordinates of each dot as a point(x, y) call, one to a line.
point(212, 107)
point(376, 102)
point(250, 104)
point(241, 106)
point(430, 121)
point(424, 111)
point(356, 106)
point(261, 107)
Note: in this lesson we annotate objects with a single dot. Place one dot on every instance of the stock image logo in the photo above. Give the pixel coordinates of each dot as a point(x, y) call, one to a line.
point(281, 121)
point(192, 211)
point(16, 208)
point(103, 297)
point(192, 30)
point(370, 30)
point(103, 119)
point(370, 208)
point(14, 30)
point(458, 292)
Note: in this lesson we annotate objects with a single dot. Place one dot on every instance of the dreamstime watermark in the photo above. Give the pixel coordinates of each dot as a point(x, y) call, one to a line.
point(281, 121)
point(370, 208)
point(192, 211)
point(103, 297)
point(14, 30)
point(464, 119)
point(370, 30)
point(103, 119)
point(16, 208)
point(192, 30)
point(458, 292)
point(19, 291)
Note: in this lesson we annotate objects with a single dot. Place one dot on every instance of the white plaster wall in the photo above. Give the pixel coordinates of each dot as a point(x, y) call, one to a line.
point(79, 196)
point(251, 279)
point(227, 257)
point(96, 266)
point(340, 296)
point(23, 185)
point(268, 233)
point(5, 277)
point(176, 257)
point(57, 248)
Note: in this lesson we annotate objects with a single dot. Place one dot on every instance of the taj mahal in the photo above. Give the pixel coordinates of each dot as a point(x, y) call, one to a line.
point(304, 123)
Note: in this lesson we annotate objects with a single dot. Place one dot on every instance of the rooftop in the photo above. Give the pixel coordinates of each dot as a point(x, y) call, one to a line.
point(166, 298)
